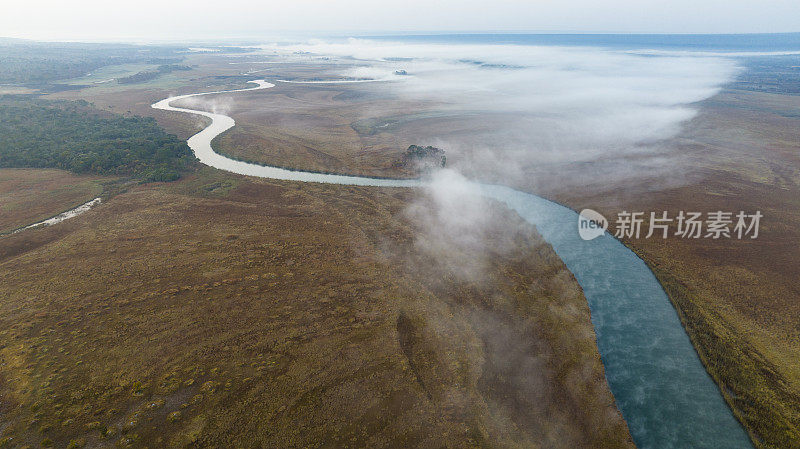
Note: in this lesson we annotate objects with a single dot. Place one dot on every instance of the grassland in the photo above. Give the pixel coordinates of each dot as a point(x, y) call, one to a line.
point(311, 126)
point(222, 311)
point(103, 75)
point(32, 195)
point(43, 65)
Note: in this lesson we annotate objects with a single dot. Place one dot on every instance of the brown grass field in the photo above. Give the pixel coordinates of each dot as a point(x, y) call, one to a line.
point(28, 196)
point(311, 126)
point(223, 311)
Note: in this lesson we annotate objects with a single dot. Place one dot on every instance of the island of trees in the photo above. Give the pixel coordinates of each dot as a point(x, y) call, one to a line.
point(422, 158)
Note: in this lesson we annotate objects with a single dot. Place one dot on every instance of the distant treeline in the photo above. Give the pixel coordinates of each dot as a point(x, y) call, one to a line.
point(152, 74)
point(73, 136)
point(36, 63)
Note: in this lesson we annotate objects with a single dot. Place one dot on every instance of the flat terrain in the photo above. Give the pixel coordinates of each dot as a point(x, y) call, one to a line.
point(31, 195)
point(320, 128)
point(222, 311)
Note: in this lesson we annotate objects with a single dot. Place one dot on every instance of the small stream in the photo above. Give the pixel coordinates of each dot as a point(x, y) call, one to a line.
point(63, 216)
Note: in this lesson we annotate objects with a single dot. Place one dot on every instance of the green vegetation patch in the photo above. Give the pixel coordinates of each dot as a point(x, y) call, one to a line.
point(148, 75)
point(75, 137)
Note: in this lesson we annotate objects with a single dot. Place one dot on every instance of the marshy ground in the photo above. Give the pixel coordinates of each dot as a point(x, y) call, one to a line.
point(222, 311)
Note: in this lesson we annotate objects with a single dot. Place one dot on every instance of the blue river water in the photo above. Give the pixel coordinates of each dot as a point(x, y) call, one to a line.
point(658, 381)
point(664, 393)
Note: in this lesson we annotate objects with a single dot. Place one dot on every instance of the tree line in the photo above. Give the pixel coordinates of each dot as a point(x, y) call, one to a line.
point(148, 75)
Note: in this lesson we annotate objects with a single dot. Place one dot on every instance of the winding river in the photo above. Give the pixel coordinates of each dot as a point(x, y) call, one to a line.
point(658, 381)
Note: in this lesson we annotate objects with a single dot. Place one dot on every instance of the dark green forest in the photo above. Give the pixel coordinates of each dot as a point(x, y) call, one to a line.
point(73, 136)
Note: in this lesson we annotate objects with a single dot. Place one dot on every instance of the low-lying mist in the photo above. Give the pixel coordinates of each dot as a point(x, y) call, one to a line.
point(541, 118)
point(540, 115)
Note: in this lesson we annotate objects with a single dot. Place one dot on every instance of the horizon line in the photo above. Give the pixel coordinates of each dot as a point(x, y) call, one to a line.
point(376, 33)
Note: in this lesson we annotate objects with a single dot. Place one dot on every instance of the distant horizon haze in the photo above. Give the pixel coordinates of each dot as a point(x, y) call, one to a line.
point(185, 20)
point(728, 42)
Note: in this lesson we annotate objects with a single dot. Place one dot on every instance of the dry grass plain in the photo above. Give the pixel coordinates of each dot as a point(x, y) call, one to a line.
point(223, 311)
point(316, 127)
point(31, 195)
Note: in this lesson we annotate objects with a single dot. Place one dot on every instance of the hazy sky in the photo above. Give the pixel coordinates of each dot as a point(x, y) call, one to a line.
point(198, 19)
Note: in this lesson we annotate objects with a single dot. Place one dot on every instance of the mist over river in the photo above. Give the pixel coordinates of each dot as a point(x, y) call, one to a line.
point(660, 385)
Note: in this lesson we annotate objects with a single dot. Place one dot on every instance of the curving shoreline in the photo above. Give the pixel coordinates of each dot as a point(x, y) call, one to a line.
point(662, 389)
